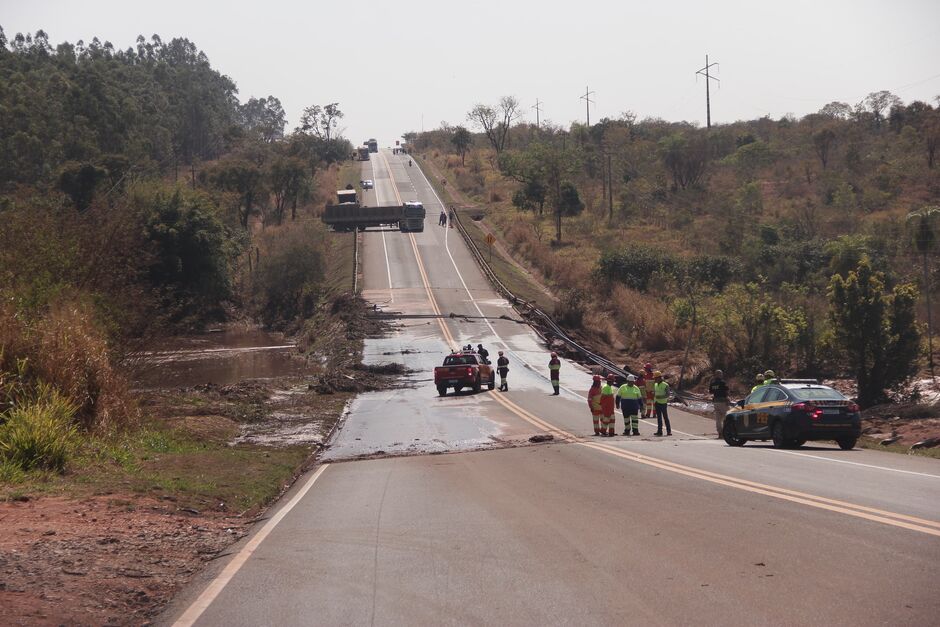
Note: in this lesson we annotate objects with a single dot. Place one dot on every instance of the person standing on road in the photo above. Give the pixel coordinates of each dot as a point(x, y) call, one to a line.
point(630, 398)
point(594, 403)
point(554, 366)
point(660, 403)
point(608, 405)
point(502, 367)
point(719, 391)
point(648, 384)
point(451, 216)
point(442, 220)
point(485, 354)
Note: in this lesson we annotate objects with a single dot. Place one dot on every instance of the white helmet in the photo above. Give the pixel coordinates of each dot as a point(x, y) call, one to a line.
point(631, 378)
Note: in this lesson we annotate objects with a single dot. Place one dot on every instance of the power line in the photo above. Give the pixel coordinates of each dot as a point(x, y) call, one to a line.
point(587, 103)
point(708, 79)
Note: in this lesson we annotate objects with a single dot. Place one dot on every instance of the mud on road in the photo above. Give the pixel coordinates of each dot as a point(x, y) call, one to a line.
point(131, 521)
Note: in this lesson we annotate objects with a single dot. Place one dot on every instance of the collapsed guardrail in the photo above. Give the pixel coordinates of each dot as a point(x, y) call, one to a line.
point(527, 308)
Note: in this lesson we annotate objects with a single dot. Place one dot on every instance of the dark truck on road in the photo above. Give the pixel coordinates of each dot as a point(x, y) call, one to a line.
point(464, 369)
point(348, 215)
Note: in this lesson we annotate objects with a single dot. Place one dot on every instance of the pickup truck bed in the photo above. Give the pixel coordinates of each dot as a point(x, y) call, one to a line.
point(463, 370)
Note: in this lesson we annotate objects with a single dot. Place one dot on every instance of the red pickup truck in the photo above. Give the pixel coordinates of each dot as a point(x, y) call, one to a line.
point(464, 369)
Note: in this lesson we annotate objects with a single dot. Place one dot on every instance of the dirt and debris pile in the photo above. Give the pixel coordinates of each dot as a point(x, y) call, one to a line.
point(87, 562)
point(905, 424)
point(359, 378)
point(333, 336)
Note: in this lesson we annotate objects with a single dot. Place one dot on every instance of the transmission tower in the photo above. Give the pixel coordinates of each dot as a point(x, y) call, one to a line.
point(538, 109)
point(587, 104)
point(708, 78)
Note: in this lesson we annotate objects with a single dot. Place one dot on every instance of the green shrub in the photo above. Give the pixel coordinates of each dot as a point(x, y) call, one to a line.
point(39, 434)
point(288, 279)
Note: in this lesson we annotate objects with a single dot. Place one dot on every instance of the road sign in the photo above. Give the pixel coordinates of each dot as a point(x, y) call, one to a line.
point(490, 240)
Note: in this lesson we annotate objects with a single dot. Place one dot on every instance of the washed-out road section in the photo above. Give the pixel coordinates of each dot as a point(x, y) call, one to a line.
point(625, 530)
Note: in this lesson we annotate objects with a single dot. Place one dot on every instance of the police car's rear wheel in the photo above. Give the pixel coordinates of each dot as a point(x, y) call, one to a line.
point(847, 444)
point(730, 435)
point(798, 443)
point(777, 432)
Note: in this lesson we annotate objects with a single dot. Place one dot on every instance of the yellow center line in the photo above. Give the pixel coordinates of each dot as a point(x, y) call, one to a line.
point(904, 521)
point(424, 275)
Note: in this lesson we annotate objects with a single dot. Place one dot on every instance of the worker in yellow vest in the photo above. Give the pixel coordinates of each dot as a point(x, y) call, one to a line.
point(608, 407)
point(759, 381)
point(630, 398)
point(660, 400)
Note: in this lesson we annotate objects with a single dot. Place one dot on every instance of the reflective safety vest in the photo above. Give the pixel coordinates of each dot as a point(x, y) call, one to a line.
point(630, 391)
point(759, 385)
point(594, 399)
point(649, 384)
point(607, 399)
point(661, 393)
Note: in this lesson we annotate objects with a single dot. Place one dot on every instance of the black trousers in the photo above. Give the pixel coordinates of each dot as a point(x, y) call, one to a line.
point(662, 415)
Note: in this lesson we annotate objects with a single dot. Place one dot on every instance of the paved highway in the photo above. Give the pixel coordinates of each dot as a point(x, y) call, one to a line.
point(430, 510)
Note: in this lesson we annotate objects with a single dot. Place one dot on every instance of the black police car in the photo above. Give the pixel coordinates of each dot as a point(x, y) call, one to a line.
point(792, 411)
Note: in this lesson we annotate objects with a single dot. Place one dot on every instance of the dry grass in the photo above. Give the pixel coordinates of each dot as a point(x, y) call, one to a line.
point(646, 320)
point(65, 349)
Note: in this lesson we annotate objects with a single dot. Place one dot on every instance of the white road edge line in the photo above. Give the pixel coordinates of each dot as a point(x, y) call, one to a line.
point(194, 611)
point(845, 461)
point(388, 266)
point(495, 334)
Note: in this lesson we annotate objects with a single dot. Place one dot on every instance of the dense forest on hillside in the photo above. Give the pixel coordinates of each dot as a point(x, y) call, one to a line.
point(795, 244)
point(133, 191)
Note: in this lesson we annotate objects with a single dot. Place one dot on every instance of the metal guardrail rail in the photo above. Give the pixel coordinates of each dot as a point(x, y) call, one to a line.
point(355, 263)
point(531, 309)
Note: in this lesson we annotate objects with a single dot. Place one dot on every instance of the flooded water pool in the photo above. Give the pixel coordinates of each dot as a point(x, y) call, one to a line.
point(222, 358)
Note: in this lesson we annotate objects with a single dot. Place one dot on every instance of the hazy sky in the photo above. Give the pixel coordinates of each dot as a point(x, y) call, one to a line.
point(393, 64)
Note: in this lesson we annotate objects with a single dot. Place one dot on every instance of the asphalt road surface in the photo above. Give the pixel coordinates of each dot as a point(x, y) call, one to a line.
point(430, 510)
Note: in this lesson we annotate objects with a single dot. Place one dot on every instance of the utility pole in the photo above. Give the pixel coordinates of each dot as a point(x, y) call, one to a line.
point(708, 102)
point(587, 103)
point(610, 187)
point(538, 109)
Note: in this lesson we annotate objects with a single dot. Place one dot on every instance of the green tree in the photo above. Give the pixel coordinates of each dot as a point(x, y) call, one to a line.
point(264, 117)
point(823, 140)
point(462, 139)
point(79, 182)
point(242, 177)
point(321, 121)
point(190, 254)
point(876, 329)
point(567, 202)
point(288, 179)
point(495, 121)
point(532, 195)
point(925, 240)
point(685, 157)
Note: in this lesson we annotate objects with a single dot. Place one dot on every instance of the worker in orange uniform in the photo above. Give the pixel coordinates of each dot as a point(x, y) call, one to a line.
point(594, 403)
point(608, 404)
point(648, 387)
point(554, 366)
